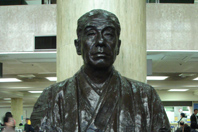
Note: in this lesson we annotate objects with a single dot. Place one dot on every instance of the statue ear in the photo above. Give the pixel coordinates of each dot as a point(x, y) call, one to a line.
point(118, 47)
point(78, 46)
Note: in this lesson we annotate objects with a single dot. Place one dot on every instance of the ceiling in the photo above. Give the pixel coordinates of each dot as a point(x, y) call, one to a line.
point(32, 68)
point(179, 66)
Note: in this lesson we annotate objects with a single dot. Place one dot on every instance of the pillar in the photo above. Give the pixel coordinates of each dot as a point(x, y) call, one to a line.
point(131, 62)
point(17, 109)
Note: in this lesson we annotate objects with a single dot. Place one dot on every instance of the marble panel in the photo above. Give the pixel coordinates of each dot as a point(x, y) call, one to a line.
point(20, 24)
point(172, 27)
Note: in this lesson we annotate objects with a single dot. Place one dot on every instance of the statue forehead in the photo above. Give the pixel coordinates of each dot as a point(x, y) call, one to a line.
point(99, 24)
point(97, 20)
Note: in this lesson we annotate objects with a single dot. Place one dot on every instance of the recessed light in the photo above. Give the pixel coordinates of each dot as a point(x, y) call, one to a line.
point(51, 78)
point(35, 91)
point(178, 90)
point(156, 77)
point(196, 78)
point(6, 99)
point(9, 80)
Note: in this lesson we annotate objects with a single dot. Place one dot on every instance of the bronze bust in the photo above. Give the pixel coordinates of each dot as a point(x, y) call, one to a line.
point(97, 98)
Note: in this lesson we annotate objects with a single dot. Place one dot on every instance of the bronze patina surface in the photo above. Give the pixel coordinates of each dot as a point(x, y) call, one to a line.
point(97, 98)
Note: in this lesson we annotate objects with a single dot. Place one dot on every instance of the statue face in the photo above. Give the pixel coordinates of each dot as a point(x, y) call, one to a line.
point(99, 43)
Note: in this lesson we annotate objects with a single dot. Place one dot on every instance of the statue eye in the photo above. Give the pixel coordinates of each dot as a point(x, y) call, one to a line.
point(108, 35)
point(91, 33)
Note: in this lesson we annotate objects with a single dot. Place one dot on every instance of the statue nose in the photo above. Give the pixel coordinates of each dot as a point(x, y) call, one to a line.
point(100, 40)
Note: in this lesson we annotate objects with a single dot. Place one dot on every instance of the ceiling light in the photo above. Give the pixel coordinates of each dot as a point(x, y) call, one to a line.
point(6, 98)
point(196, 78)
point(178, 90)
point(156, 77)
point(35, 91)
point(9, 80)
point(51, 78)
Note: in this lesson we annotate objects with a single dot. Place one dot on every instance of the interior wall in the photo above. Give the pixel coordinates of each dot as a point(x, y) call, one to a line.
point(19, 25)
point(169, 26)
point(172, 26)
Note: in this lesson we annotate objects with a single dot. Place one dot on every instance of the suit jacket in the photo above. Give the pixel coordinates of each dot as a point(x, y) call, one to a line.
point(28, 128)
point(124, 105)
point(193, 120)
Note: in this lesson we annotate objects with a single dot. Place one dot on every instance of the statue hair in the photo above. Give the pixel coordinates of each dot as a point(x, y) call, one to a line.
point(84, 19)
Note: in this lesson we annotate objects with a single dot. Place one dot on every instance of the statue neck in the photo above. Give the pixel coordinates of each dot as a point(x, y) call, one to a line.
point(98, 76)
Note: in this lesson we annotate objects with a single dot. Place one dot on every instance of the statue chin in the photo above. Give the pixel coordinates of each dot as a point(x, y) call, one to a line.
point(100, 64)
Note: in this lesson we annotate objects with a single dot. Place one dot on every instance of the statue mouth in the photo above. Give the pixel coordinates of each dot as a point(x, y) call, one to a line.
point(100, 54)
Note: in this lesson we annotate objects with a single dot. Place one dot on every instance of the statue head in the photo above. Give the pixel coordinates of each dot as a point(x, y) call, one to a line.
point(98, 41)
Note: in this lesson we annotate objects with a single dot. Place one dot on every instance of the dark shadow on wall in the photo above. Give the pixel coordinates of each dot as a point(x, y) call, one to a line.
point(177, 1)
point(171, 1)
point(13, 2)
point(48, 1)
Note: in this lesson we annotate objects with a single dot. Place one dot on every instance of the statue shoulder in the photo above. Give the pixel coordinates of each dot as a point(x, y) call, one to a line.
point(45, 102)
point(134, 84)
point(59, 85)
point(49, 92)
